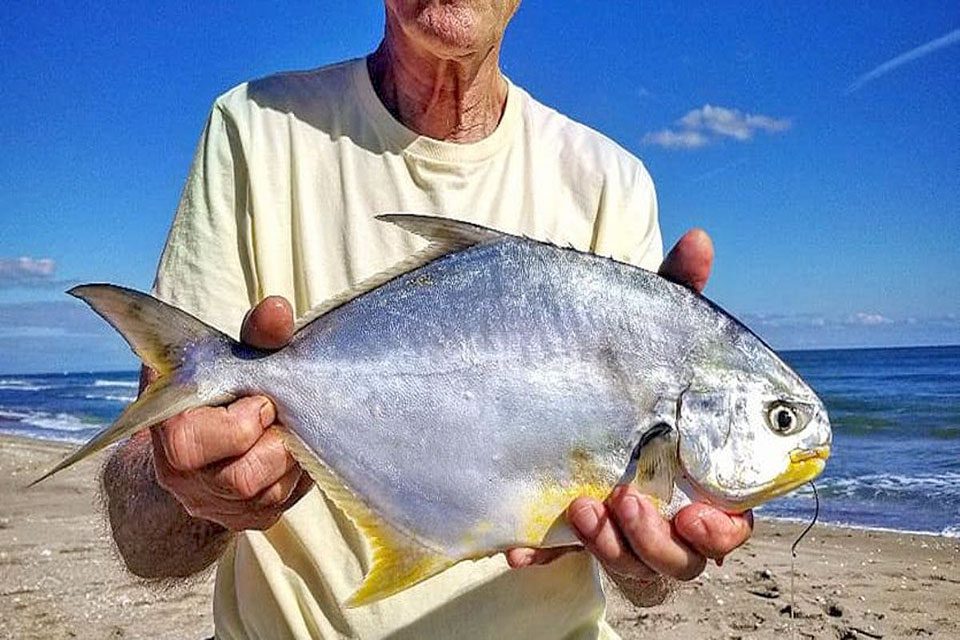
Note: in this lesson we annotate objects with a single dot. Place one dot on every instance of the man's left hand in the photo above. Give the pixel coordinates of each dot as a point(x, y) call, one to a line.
point(626, 533)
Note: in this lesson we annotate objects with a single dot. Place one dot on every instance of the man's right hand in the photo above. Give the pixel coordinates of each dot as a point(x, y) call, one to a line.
point(228, 465)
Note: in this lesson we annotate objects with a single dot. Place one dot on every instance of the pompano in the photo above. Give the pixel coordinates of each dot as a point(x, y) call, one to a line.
point(455, 407)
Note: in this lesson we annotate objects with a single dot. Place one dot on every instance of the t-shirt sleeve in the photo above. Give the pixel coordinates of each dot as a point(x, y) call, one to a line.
point(206, 267)
point(628, 227)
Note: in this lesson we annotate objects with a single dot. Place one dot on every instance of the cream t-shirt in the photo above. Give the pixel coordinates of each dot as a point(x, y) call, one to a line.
point(281, 198)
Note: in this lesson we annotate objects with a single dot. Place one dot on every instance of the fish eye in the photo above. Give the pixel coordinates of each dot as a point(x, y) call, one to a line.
point(783, 419)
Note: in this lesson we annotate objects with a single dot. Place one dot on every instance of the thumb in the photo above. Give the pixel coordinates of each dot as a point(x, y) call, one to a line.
point(269, 325)
point(690, 260)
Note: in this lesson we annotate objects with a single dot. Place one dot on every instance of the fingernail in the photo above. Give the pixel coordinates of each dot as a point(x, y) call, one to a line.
point(518, 558)
point(266, 417)
point(585, 519)
point(719, 561)
point(628, 507)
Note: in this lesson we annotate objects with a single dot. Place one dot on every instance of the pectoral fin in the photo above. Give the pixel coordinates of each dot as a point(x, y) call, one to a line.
point(399, 561)
point(653, 466)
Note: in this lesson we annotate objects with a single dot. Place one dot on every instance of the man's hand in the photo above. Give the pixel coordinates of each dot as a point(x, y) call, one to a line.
point(628, 536)
point(226, 464)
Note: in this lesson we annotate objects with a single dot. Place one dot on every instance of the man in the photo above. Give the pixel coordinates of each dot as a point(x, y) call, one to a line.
point(279, 207)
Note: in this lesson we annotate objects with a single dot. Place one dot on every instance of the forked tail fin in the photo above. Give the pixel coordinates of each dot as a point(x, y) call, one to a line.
point(163, 337)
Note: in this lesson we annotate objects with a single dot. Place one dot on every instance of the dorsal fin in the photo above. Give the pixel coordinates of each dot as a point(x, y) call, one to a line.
point(454, 234)
point(445, 236)
point(428, 254)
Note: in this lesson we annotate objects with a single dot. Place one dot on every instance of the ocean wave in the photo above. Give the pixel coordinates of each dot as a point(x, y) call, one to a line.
point(952, 531)
point(21, 385)
point(117, 383)
point(14, 429)
point(95, 396)
point(888, 485)
point(50, 423)
point(13, 415)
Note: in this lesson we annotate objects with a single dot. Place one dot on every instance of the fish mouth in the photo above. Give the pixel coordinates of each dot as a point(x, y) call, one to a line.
point(802, 455)
point(805, 465)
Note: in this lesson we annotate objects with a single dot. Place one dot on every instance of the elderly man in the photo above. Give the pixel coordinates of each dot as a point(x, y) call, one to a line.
point(279, 207)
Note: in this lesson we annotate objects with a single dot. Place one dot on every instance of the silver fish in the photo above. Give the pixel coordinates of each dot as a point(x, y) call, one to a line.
point(455, 409)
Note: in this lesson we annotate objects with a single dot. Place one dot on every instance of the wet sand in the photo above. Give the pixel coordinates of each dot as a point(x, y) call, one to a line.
point(60, 577)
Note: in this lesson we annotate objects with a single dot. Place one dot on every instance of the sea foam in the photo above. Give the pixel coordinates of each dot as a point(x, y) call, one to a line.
point(116, 383)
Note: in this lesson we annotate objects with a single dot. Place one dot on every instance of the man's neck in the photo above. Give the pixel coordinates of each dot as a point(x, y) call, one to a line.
point(456, 100)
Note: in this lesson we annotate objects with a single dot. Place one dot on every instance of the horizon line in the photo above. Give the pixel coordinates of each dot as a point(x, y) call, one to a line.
point(790, 350)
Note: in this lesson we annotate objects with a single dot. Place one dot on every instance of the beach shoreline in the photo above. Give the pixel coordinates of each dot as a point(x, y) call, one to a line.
point(60, 577)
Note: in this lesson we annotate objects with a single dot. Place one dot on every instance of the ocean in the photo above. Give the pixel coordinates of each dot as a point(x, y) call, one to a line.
point(895, 412)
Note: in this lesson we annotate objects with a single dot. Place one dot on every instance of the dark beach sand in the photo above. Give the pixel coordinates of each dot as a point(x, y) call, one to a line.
point(60, 578)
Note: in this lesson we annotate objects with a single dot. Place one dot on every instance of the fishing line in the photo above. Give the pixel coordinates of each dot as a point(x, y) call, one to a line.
point(793, 557)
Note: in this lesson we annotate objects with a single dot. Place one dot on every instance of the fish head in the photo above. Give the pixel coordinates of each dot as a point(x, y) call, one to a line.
point(752, 439)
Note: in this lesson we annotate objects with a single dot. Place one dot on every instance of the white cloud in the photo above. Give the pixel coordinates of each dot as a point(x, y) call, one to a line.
point(868, 319)
point(61, 335)
point(708, 124)
point(731, 122)
point(919, 52)
point(859, 329)
point(59, 317)
point(858, 319)
point(676, 140)
point(26, 272)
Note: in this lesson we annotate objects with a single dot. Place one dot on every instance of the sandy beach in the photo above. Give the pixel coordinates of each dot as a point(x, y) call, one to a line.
point(60, 578)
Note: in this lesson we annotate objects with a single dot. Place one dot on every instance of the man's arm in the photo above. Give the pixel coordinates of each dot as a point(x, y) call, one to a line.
point(174, 494)
point(155, 535)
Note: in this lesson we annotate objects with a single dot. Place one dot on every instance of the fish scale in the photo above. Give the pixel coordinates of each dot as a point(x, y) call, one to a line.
point(455, 407)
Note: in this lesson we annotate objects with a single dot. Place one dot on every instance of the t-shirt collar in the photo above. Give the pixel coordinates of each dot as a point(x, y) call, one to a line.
point(411, 142)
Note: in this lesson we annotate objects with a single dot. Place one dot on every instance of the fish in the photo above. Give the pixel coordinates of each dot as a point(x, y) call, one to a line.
point(454, 406)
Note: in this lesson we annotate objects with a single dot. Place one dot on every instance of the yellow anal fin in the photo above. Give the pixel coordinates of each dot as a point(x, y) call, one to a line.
point(397, 565)
point(399, 562)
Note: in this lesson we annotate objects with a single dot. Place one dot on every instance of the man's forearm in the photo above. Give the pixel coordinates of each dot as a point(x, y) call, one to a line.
point(155, 535)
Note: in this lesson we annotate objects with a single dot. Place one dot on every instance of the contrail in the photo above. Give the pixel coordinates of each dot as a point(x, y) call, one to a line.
point(888, 66)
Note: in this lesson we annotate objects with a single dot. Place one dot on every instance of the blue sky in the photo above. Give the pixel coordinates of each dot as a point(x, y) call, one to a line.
point(818, 144)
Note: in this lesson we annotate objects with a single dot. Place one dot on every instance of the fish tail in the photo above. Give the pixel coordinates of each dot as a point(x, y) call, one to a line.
point(164, 338)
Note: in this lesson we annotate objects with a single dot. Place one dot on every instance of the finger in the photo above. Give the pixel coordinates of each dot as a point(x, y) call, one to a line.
point(690, 260)
point(166, 475)
point(264, 511)
point(248, 476)
point(269, 325)
point(652, 538)
point(594, 526)
point(520, 557)
point(200, 437)
point(303, 486)
point(274, 496)
point(525, 556)
point(546, 556)
point(184, 485)
point(712, 532)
